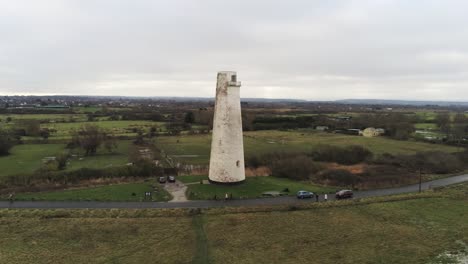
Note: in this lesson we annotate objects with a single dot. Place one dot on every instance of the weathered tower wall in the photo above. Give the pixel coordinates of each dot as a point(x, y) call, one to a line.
point(227, 146)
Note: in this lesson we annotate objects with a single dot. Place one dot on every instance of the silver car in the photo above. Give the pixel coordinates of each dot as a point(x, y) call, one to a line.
point(304, 194)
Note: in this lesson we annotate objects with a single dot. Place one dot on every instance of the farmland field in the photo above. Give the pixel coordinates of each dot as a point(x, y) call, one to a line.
point(414, 231)
point(410, 230)
point(121, 127)
point(96, 240)
point(48, 117)
point(102, 159)
point(261, 142)
point(430, 126)
point(28, 157)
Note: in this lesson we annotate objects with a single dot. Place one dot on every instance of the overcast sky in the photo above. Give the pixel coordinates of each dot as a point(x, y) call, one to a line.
point(316, 50)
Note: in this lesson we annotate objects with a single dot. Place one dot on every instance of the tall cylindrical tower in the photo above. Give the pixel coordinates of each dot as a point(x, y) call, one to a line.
point(227, 145)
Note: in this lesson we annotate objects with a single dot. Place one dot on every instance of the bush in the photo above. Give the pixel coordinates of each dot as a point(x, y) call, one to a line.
point(297, 168)
point(269, 159)
point(5, 144)
point(428, 162)
point(438, 162)
point(344, 155)
point(339, 177)
point(48, 175)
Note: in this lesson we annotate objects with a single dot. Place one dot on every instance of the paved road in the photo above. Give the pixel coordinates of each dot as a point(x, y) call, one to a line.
point(244, 202)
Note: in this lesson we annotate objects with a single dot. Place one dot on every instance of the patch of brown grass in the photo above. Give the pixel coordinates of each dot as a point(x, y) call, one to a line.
point(354, 169)
point(260, 171)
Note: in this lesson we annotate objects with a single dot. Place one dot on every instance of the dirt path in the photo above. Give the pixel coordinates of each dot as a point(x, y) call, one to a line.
point(177, 190)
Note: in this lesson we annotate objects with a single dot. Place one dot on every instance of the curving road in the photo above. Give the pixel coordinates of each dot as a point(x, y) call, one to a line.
point(208, 204)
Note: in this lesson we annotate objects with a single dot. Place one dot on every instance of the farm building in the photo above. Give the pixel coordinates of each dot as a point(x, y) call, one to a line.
point(321, 128)
point(373, 132)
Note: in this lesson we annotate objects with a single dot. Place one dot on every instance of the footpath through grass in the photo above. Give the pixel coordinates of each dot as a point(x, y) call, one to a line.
point(202, 255)
point(117, 192)
point(252, 187)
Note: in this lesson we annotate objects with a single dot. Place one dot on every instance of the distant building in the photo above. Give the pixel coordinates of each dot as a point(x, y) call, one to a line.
point(373, 132)
point(380, 130)
point(354, 131)
point(321, 128)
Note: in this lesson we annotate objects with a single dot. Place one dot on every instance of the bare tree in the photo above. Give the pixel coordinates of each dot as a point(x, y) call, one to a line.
point(91, 137)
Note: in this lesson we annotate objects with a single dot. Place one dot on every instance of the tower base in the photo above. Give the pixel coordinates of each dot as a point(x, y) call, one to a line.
point(226, 183)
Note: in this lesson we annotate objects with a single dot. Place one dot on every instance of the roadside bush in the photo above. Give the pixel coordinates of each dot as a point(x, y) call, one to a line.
point(50, 175)
point(344, 155)
point(439, 162)
point(428, 162)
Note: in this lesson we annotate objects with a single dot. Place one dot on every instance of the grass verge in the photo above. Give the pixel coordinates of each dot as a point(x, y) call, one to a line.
point(117, 192)
point(251, 188)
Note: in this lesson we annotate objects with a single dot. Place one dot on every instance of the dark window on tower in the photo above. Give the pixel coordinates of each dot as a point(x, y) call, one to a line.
point(233, 78)
point(238, 163)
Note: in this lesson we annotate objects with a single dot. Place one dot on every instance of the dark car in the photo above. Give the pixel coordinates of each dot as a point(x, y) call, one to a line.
point(162, 179)
point(304, 194)
point(344, 194)
point(171, 179)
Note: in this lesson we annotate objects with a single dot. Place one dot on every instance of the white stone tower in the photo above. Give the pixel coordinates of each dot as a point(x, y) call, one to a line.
point(227, 145)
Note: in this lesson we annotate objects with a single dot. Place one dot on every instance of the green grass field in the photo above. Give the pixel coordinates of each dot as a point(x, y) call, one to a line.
point(252, 187)
point(414, 231)
point(102, 159)
point(44, 117)
point(121, 127)
point(117, 192)
point(28, 157)
point(96, 240)
point(192, 178)
point(261, 142)
point(427, 126)
point(410, 230)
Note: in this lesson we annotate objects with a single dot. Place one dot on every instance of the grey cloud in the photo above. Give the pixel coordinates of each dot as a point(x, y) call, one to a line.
point(282, 49)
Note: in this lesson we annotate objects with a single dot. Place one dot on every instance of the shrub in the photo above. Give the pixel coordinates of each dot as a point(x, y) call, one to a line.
point(428, 162)
point(269, 159)
point(5, 144)
point(344, 155)
point(339, 177)
point(49, 175)
point(297, 168)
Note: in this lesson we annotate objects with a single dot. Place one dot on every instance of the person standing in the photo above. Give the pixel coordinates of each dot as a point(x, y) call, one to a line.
point(325, 197)
point(316, 197)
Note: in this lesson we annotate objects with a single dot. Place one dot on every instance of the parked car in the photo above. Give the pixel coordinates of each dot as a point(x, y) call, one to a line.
point(304, 194)
point(162, 179)
point(344, 194)
point(171, 179)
